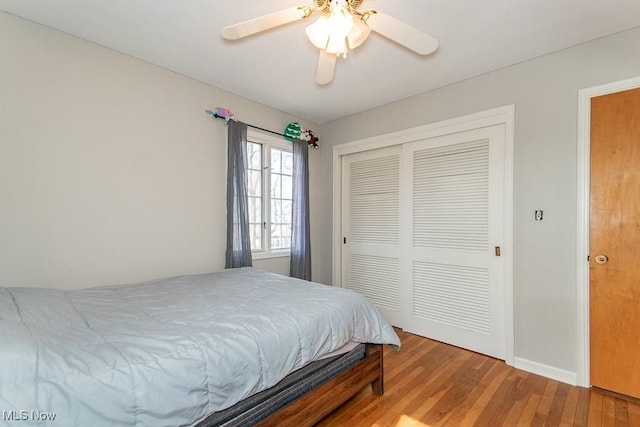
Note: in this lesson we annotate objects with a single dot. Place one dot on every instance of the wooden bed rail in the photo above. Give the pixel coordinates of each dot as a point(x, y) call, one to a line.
point(316, 404)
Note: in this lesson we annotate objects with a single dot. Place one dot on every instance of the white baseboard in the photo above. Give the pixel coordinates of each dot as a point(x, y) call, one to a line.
point(546, 371)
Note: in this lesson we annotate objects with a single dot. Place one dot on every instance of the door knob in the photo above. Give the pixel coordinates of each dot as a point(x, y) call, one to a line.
point(601, 259)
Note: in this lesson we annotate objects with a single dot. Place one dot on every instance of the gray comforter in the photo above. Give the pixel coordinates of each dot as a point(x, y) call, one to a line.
point(170, 351)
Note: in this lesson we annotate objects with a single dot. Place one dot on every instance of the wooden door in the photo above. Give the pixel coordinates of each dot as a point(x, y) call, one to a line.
point(455, 189)
point(615, 242)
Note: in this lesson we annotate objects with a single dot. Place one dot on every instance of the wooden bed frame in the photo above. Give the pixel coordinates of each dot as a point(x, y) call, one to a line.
point(316, 404)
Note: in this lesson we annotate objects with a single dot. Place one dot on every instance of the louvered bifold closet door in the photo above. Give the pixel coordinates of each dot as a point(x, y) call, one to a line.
point(454, 191)
point(371, 228)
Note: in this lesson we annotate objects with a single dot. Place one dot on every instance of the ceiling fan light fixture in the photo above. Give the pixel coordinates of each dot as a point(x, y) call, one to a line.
point(318, 32)
point(359, 33)
point(330, 32)
point(337, 46)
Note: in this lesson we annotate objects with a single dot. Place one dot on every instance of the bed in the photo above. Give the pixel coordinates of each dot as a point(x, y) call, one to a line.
point(236, 347)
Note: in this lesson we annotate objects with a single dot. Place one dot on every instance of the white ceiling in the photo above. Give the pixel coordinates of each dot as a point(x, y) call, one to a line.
point(277, 68)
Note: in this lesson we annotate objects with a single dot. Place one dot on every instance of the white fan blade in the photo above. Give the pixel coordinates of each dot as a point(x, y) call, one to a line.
point(402, 33)
point(266, 22)
point(326, 67)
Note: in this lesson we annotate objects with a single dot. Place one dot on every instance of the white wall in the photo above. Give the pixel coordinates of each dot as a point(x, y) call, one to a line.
point(110, 171)
point(545, 93)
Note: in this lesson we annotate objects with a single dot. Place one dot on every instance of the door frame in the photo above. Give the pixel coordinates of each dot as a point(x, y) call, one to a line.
point(502, 115)
point(582, 245)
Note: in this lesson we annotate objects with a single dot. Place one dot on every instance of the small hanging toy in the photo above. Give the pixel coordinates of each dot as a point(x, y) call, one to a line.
point(222, 113)
point(307, 135)
point(313, 142)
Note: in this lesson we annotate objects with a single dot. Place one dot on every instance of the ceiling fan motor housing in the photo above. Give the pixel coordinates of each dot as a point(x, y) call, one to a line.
point(325, 5)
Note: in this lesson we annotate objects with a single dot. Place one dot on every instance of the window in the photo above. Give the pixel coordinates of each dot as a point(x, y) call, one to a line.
point(269, 171)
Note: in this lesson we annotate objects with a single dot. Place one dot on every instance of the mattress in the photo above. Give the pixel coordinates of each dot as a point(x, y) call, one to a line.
point(259, 406)
point(170, 351)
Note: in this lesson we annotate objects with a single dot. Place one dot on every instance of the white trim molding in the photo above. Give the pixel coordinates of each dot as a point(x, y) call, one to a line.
point(502, 115)
point(582, 244)
point(552, 372)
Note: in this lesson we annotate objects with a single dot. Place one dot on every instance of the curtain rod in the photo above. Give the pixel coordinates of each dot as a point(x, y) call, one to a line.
point(312, 142)
point(217, 116)
point(263, 129)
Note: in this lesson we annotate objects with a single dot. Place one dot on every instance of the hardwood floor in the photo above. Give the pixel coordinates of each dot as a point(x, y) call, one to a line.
point(428, 383)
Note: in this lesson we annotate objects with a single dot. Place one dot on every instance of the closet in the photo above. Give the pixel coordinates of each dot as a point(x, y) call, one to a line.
point(425, 223)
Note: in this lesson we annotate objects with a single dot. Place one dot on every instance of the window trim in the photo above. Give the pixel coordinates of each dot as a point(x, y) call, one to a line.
point(267, 142)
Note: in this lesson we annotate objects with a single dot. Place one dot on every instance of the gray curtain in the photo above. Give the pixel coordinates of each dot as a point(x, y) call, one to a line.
point(238, 241)
point(300, 244)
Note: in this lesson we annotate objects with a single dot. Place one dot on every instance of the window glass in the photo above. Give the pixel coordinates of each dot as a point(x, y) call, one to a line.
point(254, 193)
point(270, 194)
point(281, 165)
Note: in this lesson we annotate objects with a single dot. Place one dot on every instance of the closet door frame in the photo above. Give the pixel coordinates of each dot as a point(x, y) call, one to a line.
point(501, 115)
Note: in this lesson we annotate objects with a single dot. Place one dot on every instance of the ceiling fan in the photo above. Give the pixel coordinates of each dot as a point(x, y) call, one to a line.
point(341, 25)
